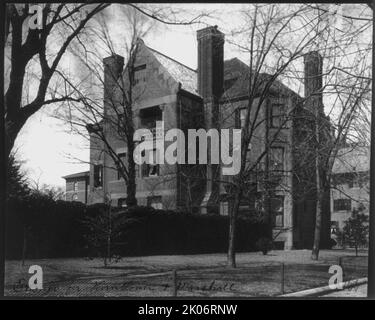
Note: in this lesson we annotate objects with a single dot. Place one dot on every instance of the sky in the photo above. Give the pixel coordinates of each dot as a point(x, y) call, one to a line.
point(50, 152)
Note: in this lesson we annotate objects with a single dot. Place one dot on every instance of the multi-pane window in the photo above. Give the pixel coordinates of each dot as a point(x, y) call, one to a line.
point(342, 205)
point(75, 186)
point(122, 157)
point(278, 115)
point(98, 175)
point(277, 159)
point(277, 209)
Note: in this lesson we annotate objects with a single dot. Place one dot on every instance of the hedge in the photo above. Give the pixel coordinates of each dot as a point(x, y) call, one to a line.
point(168, 232)
point(56, 229)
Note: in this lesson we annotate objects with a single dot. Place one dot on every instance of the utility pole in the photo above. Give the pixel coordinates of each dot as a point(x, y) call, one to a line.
point(371, 249)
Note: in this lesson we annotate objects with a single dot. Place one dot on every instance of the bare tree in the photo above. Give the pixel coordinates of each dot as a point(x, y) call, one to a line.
point(42, 49)
point(348, 80)
point(276, 38)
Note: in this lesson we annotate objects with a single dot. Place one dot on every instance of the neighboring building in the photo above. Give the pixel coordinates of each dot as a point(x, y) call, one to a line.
point(350, 184)
point(214, 96)
point(77, 186)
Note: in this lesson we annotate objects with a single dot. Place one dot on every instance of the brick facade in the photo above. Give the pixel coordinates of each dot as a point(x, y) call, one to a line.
point(212, 97)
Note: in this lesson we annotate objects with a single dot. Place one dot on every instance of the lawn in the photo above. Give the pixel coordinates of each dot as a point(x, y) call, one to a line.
point(197, 275)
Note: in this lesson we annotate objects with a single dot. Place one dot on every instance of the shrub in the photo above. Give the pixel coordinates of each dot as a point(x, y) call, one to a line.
point(264, 245)
point(61, 229)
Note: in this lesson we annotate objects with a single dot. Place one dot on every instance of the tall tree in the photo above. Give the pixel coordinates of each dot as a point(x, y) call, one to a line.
point(274, 57)
point(41, 47)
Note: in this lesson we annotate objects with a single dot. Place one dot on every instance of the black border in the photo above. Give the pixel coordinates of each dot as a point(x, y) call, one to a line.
point(156, 301)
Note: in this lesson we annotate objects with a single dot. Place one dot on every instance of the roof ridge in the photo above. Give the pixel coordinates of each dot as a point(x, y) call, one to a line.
point(191, 69)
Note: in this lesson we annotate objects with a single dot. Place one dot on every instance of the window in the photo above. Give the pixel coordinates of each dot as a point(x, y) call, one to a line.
point(351, 181)
point(243, 112)
point(98, 175)
point(120, 124)
point(277, 209)
point(334, 227)
point(224, 208)
point(342, 205)
point(150, 170)
point(122, 157)
point(75, 186)
point(155, 202)
point(139, 74)
point(278, 115)
point(149, 116)
point(140, 67)
point(277, 159)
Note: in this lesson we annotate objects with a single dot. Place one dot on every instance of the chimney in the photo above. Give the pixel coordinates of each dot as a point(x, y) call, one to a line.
point(210, 87)
point(313, 80)
point(210, 62)
point(113, 67)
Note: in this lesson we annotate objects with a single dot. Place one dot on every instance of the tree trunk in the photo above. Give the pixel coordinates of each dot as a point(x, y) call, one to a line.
point(12, 128)
point(232, 231)
point(131, 187)
point(318, 226)
point(108, 253)
point(24, 247)
point(319, 195)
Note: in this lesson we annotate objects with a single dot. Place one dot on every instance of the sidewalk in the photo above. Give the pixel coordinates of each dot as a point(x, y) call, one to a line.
point(355, 292)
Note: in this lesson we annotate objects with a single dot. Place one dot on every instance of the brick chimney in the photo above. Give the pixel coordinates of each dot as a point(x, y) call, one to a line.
point(210, 62)
point(313, 81)
point(113, 67)
point(210, 87)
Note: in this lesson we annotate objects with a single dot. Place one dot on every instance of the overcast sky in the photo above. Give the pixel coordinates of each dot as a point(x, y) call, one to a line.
point(44, 144)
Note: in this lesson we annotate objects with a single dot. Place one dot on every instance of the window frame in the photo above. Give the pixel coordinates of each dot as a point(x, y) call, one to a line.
point(281, 116)
point(342, 207)
point(147, 165)
point(119, 177)
point(282, 162)
point(100, 177)
point(274, 215)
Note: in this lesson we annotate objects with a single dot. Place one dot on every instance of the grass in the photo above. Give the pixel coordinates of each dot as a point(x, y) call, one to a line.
point(197, 275)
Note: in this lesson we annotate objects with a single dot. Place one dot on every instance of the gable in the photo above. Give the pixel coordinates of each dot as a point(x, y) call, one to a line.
point(236, 81)
point(179, 72)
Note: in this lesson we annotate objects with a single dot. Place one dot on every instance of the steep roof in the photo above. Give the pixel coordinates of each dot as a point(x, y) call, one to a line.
point(181, 73)
point(236, 77)
point(77, 175)
point(236, 81)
